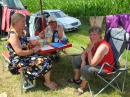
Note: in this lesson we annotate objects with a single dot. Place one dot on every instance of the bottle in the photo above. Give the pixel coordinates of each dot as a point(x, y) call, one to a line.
point(48, 36)
point(55, 36)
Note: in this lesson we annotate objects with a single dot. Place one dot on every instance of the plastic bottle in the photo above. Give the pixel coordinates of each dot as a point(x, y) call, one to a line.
point(48, 36)
point(55, 36)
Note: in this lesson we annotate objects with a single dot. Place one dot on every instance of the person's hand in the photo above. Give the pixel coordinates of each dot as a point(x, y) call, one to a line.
point(41, 34)
point(90, 46)
point(82, 64)
point(36, 48)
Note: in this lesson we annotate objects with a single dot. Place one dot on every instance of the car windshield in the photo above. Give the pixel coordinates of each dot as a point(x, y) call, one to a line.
point(12, 3)
point(58, 14)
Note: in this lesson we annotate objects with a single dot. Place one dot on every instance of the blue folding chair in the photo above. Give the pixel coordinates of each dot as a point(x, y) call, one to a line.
point(119, 40)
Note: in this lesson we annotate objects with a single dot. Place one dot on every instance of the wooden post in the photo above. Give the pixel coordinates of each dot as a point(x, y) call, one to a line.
point(42, 17)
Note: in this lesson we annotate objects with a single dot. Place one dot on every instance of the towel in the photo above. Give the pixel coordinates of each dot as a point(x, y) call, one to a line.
point(58, 44)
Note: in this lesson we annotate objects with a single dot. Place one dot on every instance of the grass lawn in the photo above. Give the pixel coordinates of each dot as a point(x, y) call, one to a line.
point(62, 70)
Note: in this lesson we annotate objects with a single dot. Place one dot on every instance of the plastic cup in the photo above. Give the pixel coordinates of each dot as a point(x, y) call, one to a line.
point(34, 41)
point(40, 42)
point(44, 41)
point(64, 40)
point(49, 40)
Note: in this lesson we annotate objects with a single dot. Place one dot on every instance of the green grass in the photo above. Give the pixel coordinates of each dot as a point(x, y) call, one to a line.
point(62, 70)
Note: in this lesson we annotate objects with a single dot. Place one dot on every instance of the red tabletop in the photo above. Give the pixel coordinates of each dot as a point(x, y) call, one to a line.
point(55, 49)
point(65, 46)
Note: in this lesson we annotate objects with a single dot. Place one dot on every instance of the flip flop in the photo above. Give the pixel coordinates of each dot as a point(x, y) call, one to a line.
point(51, 86)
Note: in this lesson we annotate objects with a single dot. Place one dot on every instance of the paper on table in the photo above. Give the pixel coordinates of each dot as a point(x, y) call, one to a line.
point(46, 47)
point(34, 38)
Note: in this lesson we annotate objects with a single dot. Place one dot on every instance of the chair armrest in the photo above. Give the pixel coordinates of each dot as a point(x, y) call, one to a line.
point(107, 64)
point(83, 48)
point(4, 39)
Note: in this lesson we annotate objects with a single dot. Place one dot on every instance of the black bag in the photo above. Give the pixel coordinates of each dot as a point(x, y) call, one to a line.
point(13, 69)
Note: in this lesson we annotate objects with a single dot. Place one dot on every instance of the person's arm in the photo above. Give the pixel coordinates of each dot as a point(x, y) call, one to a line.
point(83, 58)
point(60, 32)
point(42, 33)
point(101, 51)
point(14, 41)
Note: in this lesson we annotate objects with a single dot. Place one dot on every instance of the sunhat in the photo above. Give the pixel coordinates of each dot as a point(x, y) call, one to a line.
point(51, 18)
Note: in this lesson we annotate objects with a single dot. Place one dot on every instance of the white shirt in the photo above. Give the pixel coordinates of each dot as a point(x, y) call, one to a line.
point(49, 33)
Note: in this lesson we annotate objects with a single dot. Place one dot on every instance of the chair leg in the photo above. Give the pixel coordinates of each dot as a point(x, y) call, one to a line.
point(108, 83)
point(90, 90)
point(116, 83)
point(3, 62)
point(21, 81)
point(123, 82)
point(34, 82)
point(25, 83)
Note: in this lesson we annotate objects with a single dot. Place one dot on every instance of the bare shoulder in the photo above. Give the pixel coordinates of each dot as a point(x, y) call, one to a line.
point(103, 48)
point(13, 37)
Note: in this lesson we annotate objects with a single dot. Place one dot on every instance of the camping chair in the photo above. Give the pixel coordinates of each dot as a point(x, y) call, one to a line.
point(25, 83)
point(118, 39)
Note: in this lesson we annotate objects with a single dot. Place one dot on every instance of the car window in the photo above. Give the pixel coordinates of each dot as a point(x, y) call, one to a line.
point(46, 15)
point(13, 4)
point(58, 14)
point(18, 4)
point(38, 14)
point(1, 1)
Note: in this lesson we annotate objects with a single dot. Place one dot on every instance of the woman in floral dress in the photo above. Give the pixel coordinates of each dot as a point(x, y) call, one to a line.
point(22, 56)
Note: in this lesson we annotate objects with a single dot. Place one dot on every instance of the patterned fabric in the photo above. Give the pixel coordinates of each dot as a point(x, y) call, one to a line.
point(35, 64)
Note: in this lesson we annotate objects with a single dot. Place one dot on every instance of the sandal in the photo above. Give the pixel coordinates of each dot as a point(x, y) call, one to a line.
point(80, 91)
point(51, 86)
point(72, 80)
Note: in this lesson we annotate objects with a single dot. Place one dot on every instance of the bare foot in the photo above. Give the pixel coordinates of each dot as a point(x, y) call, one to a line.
point(51, 86)
point(54, 84)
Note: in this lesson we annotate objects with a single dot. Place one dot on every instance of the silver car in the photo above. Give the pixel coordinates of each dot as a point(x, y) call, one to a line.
point(68, 23)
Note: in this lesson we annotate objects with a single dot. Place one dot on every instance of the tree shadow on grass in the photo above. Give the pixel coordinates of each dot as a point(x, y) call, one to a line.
point(97, 84)
point(63, 70)
point(60, 72)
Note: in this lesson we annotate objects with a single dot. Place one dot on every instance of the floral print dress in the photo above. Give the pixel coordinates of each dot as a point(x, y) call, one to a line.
point(35, 64)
